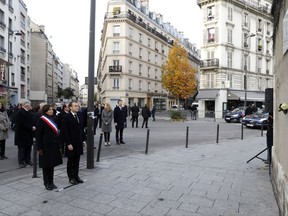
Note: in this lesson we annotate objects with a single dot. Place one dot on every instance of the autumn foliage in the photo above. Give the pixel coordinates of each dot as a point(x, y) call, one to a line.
point(178, 76)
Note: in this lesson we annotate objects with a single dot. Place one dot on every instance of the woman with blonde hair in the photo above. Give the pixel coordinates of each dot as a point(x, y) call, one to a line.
point(107, 117)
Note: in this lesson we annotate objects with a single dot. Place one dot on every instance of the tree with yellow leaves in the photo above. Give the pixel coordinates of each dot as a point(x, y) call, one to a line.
point(178, 76)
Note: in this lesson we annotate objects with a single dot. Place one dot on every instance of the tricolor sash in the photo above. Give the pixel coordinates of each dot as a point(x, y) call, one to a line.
point(50, 123)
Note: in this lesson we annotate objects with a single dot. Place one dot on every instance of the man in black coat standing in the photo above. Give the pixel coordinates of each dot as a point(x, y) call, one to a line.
point(145, 114)
point(24, 134)
point(135, 114)
point(119, 121)
point(74, 137)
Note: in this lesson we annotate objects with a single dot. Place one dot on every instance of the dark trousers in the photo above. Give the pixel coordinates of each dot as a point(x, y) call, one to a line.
point(48, 175)
point(24, 154)
point(107, 136)
point(145, 121)
point(153, 116)
point(100, 121)
point(73, 167)
point(269, 148)
point(62, 147)
point(134, 119)
point(117, 134)
point(95, 125)
point(2, 147)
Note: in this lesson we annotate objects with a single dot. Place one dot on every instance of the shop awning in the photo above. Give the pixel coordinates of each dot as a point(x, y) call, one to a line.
point(207, 94)
point(251, 96)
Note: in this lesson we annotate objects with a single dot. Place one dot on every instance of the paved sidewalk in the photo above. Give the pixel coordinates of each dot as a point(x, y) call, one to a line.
point(203, 180)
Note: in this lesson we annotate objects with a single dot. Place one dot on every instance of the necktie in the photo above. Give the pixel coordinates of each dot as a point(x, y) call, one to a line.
point(76, 117)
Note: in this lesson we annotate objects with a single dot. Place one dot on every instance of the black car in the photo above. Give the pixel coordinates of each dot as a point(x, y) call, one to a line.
point(256, 120)
point(235, 115)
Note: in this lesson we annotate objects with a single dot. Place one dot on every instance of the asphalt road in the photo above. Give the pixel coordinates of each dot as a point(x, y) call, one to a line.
point(163, 134)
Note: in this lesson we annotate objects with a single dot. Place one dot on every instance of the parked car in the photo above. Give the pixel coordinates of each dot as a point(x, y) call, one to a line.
point(256, 120)
point(235, 115)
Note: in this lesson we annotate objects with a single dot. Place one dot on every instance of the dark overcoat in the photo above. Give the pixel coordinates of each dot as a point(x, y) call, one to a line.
point(119, 117)
point(23, 132)
point(48, 141)
point(73, 133)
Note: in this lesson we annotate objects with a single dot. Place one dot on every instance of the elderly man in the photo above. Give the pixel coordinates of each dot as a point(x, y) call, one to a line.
point(24, 133)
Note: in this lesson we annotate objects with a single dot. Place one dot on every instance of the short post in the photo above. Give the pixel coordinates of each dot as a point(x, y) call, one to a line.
point(242, 131)
point(34, 159)
point(187, 135)
point(262, 126)
point(217, 137)
point(147, 141)
point(99, 147)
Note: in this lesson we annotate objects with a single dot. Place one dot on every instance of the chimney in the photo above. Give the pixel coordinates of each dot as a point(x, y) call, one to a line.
point(145, 3)
point(42, 28)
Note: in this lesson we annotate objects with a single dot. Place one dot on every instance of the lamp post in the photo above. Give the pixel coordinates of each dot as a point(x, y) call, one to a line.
point(91, 63)
point(245, 75)
point(10, 33)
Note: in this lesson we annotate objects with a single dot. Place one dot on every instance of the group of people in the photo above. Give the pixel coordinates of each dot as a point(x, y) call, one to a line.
point(54, 135)
point(61, 133)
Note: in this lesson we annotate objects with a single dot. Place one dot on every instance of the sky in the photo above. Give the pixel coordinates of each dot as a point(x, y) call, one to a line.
point(67, 25)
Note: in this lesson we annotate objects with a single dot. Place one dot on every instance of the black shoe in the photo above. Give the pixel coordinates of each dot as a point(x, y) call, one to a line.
point(1, 158)
point(118, 143)
point(122, 142)
point(73, 181)
point(5, 157)
point(48, 187)
point(22, 165)
point(79, 180)
point(53, 186)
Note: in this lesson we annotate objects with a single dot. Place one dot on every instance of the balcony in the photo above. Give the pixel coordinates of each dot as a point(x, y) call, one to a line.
point(2, 49)
point(211, 40)
point(2, 25)
point(11, 8)
point(208, 63)
point(115, 68)
point(3, 1)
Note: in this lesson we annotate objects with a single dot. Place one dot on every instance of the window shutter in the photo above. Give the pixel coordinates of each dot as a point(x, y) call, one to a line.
point(216, 34)
point(216, 12)
point(205, 32)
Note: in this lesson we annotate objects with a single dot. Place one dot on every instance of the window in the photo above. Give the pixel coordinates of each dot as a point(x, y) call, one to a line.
point(259, 44)
point(246, 20)
point(259, 64)
point(148, 71)
point(267, 66)
point(116, 30)
point(156, 46)
point(245, 37)
point(116, 47)
point(211, 35)
point(229, 35)
point(140, 69)
point(163, 51)
point(210, 77)
point(130, 32)
point(259, 25)
point(140, 85)
point(130, 66)
point(156, 59)
point(267, 47)
point(156, 74)
point(140, 38)
point(140, 53)
point(156, 87)
point(230, 14)
point(268, 28)
point(116, 63)
point(130, 48)
point(2, 49)
point(130, 84)
point(149, 42)
point(229, 59)
point(229, 81)
point(210, 55)
point(210, 12)
point(246, 62)
point(2, 19)
point(149, 54)
point(149, 86)
point(115, 83)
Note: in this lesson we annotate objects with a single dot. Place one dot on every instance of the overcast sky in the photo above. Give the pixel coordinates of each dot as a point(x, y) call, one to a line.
point(67, 25)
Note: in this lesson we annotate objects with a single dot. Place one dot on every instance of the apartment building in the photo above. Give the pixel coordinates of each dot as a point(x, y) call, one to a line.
point(70, 79)
point(134, 45)
point(237, 63)
point(14, 52)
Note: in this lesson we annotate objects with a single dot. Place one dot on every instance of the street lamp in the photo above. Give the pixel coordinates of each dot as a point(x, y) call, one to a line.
point(245, 70)
point(10, 33)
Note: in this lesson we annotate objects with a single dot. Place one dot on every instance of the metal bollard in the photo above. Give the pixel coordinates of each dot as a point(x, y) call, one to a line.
point(187, 134)
point(34, 159)
point(262, 126)
point(242, 131)
point(147, 141)
point(99, 147)
point(217, 137)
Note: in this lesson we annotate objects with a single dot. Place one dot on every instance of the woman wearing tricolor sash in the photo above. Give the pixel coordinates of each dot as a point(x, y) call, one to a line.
point(48, 146)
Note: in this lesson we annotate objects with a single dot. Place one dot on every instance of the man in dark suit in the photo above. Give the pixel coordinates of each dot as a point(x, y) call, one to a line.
point(135, 114)
point(24, 134)
point(74, 138)
point(119, 121)
point(60, 117)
